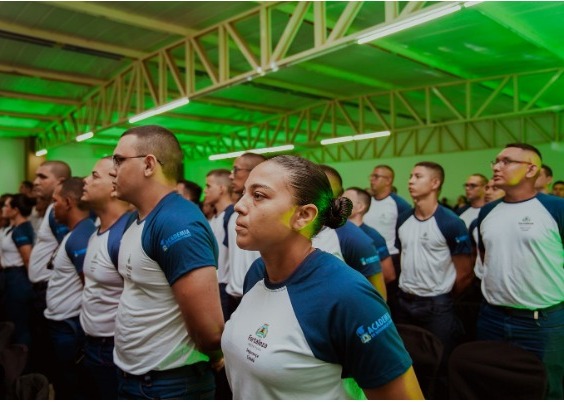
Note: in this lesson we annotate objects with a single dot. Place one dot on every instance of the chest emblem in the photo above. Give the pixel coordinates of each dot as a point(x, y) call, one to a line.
point(526, 224)
point(262, 331)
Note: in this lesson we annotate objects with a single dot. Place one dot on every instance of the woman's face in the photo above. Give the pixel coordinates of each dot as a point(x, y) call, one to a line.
point(7, 211)
point(266, 210)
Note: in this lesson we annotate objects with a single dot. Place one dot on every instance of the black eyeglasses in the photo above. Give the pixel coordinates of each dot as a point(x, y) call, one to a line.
point(505, 162)
point(118, 159)
point(377, 176)
point(470, 185)
point(236, 169)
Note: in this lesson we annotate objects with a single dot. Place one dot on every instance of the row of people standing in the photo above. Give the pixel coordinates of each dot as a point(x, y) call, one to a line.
point(170, 242)
point(517, 256)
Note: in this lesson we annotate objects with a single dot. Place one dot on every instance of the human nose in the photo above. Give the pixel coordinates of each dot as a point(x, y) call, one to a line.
point(240, 206)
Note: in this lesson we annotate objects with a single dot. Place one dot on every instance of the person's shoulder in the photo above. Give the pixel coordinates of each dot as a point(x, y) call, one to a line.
point(399, 200)
point(405, 215)
point(332, 272)
point(553, 204)
point(550, 199)
point(173, 210)
point(487, 208)
point(446, 213)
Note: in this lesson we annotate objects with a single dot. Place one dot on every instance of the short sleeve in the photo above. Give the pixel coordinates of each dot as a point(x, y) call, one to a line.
point(23, 235)
point(454, 230)
point(179, 239)
point(358, 250)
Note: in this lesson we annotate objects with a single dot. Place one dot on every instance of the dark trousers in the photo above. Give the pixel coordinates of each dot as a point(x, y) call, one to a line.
point(67, 338)
point(17, 303)
point(41, 351)
point(100, 372)
point(541, 333)
point(195, 381)
point(435, 314)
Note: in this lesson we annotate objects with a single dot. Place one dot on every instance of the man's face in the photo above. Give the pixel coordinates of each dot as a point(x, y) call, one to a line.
point(422, 182)
point(61, 206)
point(543, 180)
point(213, 190)
point(98, 186)
point(45, 182)
point(239, 175)
point(474, 188)
point(380, 180)
point(511, 167)
point(558, 190)
point(128, 169)
point(492, 192)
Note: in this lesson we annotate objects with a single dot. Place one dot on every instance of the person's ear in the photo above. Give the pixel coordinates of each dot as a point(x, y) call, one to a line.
point(532, 171)
point(151, 163)
point(304, 216)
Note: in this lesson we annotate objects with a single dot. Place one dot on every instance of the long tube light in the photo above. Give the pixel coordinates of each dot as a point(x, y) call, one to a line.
point(159, 109)
point(41, 152)
point(357, 137)
point(236, 154)
point(419, 19)
point(84, 137)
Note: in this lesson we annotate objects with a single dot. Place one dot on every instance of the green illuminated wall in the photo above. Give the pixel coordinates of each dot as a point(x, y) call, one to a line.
point(81, 158)
point(12, 155)
point(458, 166)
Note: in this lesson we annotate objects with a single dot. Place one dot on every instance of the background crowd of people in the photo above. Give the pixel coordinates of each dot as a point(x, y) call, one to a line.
point(274, 280)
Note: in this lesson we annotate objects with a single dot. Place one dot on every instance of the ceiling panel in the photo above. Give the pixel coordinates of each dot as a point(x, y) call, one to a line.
point(432, 73)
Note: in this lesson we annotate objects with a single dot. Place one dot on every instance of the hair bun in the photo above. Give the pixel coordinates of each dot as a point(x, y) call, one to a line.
point(339, 212)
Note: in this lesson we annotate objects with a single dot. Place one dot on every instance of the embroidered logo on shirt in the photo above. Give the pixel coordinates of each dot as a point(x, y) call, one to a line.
point(526, 224)
point(262, 331)
point(167, 243)
point(370, 331)
point(369, 260)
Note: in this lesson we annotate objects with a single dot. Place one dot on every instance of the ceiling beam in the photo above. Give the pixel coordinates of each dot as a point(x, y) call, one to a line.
point(214, 100)
point(39, 98)
point(207, 119)
point(25, 132)
point(63, 39)
point(51, 75)
point(124, 17)
point(28, 116)
point(199, 85)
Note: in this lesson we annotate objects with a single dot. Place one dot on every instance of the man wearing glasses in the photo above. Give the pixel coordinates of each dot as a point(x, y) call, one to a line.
point(169, 321)
point(520, 242)
point(475, 188)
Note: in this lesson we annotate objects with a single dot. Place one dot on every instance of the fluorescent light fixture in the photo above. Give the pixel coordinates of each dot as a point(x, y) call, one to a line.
point(337, 140)
point(228, 155)
point(41, 152)
point(357, 137)
point(84, 137)
point(469, 4)
point(159, 109)
point(409, 22)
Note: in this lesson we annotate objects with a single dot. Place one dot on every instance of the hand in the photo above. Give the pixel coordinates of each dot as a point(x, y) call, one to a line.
point(218, 365)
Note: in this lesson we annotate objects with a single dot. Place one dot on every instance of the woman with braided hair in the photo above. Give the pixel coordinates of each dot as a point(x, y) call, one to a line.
point(306, 318)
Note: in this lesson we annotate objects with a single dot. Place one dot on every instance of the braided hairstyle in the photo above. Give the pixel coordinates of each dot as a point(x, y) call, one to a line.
point(311, 186)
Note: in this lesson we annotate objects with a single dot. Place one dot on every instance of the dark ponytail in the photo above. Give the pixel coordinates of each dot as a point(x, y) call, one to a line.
point(310, 185)
point(339, 211)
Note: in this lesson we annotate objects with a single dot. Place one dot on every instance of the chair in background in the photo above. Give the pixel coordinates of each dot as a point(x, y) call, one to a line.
point(426, 351)
point(13, 359)
point(6, 331)
point(495, 370)
point(32, 386)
